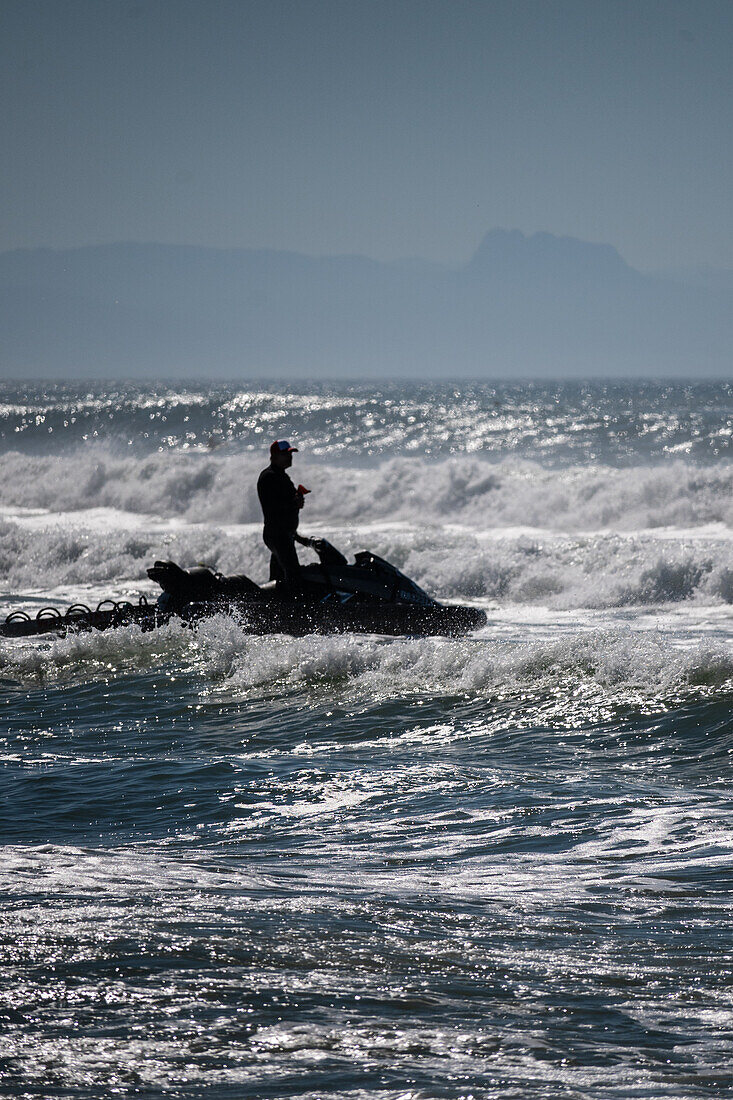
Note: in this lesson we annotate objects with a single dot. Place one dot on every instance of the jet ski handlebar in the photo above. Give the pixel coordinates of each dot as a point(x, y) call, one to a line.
point(327, 554)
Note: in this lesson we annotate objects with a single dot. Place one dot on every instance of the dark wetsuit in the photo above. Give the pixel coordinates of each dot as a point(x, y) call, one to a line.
point(279, 500)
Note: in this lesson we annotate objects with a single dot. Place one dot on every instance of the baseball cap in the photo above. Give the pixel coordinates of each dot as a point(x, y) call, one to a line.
point(280, 446)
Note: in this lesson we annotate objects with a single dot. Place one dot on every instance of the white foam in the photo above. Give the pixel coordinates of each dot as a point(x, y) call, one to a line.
point(466, 529)
point(220, 488)
point(611, 660)
point(95, 655)
point(359, 667)
point(96, 559)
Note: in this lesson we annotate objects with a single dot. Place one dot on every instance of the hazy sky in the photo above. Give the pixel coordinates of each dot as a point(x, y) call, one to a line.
point(399, 128)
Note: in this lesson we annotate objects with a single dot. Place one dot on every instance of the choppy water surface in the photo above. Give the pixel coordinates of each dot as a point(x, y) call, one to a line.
point(606, 421)
point(360, 866)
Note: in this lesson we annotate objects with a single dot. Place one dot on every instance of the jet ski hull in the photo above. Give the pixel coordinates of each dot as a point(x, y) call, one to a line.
point(272, 617)
point(369, 597)
point(333, 617)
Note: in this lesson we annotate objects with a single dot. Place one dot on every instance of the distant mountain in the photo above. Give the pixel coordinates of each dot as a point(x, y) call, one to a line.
point(526, 306)
point(545, 256)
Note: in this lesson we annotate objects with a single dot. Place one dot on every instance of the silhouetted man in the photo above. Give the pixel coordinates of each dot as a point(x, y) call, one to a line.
point(281, 503)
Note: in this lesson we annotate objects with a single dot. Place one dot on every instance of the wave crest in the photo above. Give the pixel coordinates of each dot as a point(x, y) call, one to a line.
point(470, 490)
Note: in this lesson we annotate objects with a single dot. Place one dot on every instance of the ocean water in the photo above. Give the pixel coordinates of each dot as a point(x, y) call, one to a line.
point(359, 866)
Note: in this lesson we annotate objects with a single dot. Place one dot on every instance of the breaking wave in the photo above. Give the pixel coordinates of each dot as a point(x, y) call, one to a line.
point(603, 570)
point(607, 660)
point(618, 663)
point(470, 490)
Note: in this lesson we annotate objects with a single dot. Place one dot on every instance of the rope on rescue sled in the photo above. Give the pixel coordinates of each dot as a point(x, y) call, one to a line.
point(78, 613)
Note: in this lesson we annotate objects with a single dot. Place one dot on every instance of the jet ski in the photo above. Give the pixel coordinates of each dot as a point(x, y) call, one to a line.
point(369, 596)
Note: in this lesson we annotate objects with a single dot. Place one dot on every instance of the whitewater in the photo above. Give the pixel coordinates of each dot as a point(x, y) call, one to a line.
point(358, 866)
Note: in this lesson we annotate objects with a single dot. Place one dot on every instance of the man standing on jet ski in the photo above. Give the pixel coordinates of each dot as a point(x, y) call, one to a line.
point(281, 503)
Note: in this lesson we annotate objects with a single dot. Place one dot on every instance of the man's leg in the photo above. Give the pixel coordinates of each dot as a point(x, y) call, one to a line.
point(284, 564)
point(276, 569)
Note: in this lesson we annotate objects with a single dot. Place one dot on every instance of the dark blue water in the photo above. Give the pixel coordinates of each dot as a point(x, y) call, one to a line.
point(378, 868)
point(557, 422)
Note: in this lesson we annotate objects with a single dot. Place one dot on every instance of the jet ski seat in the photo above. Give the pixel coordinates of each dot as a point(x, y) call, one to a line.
point(198, 584)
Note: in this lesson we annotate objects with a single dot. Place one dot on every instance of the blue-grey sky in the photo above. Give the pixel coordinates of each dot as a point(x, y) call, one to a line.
point(398, 128)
